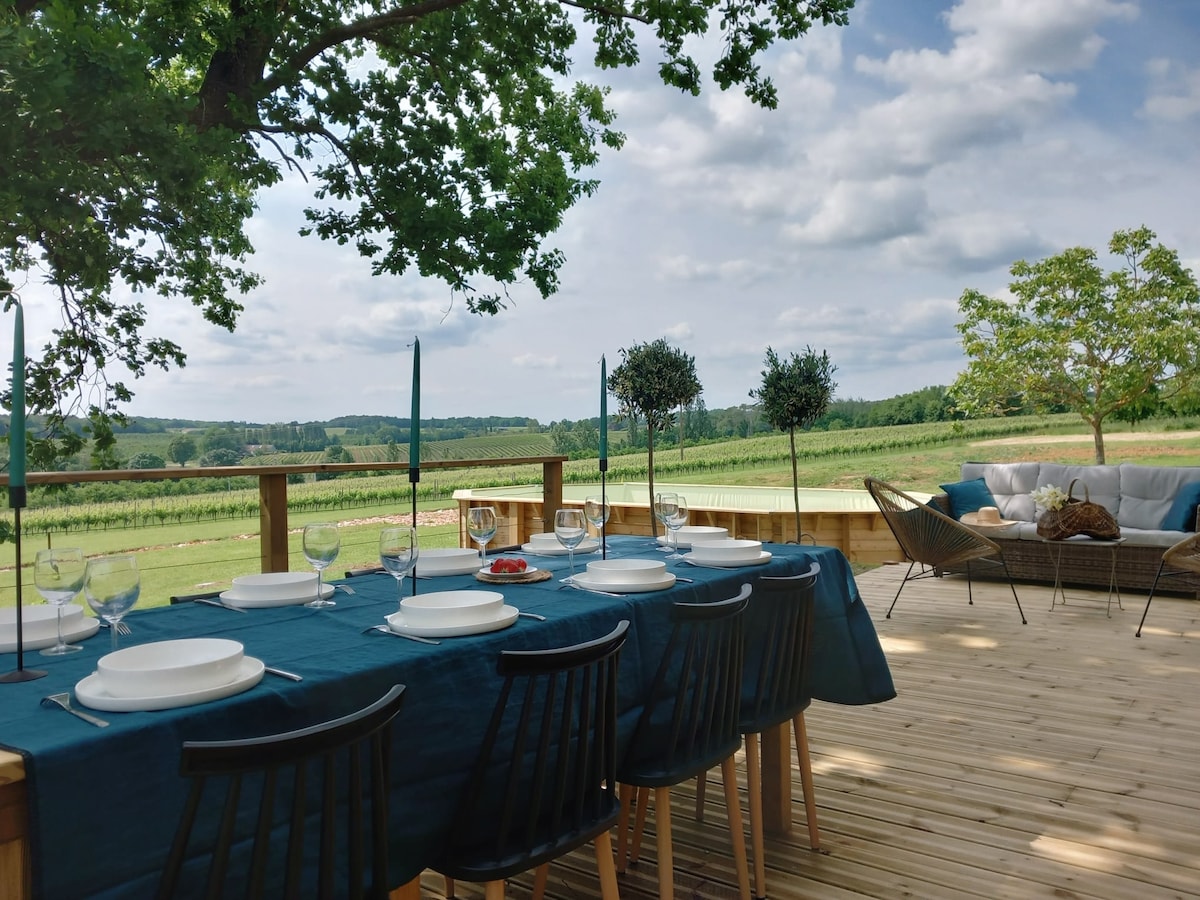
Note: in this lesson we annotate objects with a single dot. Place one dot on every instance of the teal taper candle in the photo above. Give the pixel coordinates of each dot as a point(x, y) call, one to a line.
point(16, 422)
point(603, 409)
point(414, 434)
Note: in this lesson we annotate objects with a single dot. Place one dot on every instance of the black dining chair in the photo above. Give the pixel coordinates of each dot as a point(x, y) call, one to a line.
point(689, 724)
point(335, 773)
point(189, 598)
point(775, 692)
point(544, 780)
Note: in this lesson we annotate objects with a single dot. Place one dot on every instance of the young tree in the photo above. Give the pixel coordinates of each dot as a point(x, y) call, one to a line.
point(444, 137)
point(1076, 336)
point(649, 383)
point(181, 449)
point(794, 394)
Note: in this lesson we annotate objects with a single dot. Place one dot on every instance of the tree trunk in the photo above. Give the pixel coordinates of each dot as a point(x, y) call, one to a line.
point(1098, 441)
point(650, 477)
point(795, 481)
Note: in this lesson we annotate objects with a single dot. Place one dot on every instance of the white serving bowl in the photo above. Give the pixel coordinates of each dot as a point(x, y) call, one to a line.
point(694, 534)
point(626, 571)
point(452, 607)
point(447, 559)
point(38, 622)
point(727, 550)
point(170, 667)
point(544, 539)
point(275, 585)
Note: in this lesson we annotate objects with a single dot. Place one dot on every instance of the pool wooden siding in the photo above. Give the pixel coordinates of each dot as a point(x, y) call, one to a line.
point(861, 534)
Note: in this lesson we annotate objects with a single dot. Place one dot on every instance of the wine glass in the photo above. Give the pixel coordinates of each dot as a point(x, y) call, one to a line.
point(321, 545)
point(674, 521)
point(481, 525)
point(58, 576)
point(570, 528)
point(112, 585)
point(596, 511)
point(665, 504)
point(398, 551)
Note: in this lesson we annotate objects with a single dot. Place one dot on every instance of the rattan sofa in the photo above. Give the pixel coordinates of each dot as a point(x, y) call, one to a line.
point(1139, 497)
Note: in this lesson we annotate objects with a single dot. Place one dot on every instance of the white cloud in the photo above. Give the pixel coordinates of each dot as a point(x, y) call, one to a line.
point(1174, 92)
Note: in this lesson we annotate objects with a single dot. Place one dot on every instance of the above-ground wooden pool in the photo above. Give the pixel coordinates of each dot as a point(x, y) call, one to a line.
point(848, 520)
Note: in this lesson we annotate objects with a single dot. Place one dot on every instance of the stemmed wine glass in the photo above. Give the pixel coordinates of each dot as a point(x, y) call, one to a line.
point(321, 545)
point(481, 525)
point(398, 551)
point(58, 576)
point(112, 585)
point(665, 504)
point(674, 521)
point(570, 529)
point(597, 511)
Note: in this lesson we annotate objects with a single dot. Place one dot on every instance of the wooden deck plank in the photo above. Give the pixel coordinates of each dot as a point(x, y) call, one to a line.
point(1052, 760)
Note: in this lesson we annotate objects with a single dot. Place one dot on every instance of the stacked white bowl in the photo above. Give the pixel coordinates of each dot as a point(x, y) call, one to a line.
point(166, 668)
point(39, 623)
point(726, 550)
point(626, 571)
point(274, 586)
point(452, 608)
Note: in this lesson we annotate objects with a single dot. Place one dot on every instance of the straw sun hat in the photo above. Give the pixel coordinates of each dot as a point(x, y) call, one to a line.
point(986, 517)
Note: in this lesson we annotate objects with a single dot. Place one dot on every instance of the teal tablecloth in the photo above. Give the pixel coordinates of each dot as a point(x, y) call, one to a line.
point(104, 802)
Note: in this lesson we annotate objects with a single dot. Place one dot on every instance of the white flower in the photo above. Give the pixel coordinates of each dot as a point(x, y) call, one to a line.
point(1049, 496)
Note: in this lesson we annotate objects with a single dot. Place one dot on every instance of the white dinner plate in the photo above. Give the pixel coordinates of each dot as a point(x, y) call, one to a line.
point(72, 632)
point(538, 550)
point(763, 557)
point(507, 576)
point(90, 692)
point(231, 597)
point(625, 587)
point(684, 537)
point(507, 616)
point(447, 561)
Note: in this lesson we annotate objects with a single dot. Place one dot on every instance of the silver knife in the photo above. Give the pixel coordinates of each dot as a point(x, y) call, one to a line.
point(211, 602)
point(292, 676)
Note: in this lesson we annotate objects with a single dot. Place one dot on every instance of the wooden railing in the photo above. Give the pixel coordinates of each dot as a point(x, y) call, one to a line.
point(273, 481)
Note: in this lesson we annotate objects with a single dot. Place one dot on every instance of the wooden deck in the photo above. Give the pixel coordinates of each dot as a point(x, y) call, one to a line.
point(1059, 759)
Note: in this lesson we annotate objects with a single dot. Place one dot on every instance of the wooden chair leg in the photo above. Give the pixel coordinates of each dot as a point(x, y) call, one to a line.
point(701, 786)
point(540, 876)
point(662, 824)
point(623, 826)
point(608, 872)
point(449, 887)
point(409, 891)
point(806, 780)
point(639, 824)
point(754, 791)
point(737, 837)
point(494, 890)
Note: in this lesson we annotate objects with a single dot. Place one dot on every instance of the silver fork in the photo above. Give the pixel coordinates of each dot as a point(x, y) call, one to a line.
point(64, 701)
point(121, 627)
point(579, 587)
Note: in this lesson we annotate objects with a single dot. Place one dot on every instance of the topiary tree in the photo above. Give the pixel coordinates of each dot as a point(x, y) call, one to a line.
point(794, 394)
point(651, 382)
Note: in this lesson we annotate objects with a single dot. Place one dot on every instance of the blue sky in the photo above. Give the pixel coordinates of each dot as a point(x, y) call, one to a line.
point(916, 153)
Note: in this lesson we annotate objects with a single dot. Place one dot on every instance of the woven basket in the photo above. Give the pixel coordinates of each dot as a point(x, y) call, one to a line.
point(1078, 517)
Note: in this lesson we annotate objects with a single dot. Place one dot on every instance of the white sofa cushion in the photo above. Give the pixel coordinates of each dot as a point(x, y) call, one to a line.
point(1148, 491)
point(1103, 483)
point(1010, 484)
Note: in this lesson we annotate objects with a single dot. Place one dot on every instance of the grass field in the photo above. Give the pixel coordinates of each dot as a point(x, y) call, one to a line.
point(192, 556)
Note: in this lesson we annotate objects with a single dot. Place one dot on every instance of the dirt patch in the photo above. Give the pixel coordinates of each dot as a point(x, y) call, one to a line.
point(1120, 437)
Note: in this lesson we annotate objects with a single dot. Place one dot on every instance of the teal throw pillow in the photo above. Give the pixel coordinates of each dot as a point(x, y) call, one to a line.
point(1182, 514)
point(968, 496)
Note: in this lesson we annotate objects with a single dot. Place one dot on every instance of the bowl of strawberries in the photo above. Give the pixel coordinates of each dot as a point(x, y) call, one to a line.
point(508, 567)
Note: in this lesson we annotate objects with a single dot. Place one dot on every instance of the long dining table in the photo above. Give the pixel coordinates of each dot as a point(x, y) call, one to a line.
point(103, 802)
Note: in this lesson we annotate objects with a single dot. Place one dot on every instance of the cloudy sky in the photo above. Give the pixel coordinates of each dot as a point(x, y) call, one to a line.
point(915, 153)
